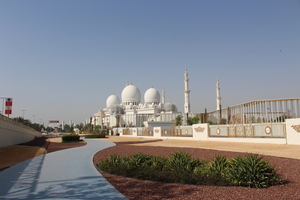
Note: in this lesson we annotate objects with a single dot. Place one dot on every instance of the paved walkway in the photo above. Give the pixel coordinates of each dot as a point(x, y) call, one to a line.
point(66, 174)
point(280, 150)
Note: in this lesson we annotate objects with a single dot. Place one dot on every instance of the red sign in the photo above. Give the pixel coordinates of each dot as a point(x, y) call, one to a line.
point(54, 121)
point(8, 106)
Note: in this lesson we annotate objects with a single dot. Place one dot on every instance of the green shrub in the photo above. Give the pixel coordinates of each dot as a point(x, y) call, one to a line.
point(217, 170)
point(182, 166)
point(70, 138)
point(204, 175)
point(138, 160)
point(252, 171)
point(96, 136)
point(182, 161)
point(112, 165)
point(157, 162)
point(219, 164)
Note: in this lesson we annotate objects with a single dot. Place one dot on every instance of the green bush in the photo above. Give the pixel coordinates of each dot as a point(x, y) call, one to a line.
point(70, 138)
point(251, 170)
point(217, 170)
point(180, 161)
point(96, 136)
point(218, 165)
point(182, 166)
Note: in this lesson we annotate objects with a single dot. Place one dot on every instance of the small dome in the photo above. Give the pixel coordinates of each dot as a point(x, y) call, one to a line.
point(152, 96)
point(170, 107)
point(131, 95)
point(112, 100)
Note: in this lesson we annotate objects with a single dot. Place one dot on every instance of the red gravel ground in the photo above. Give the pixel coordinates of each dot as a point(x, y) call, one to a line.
point(135, 189)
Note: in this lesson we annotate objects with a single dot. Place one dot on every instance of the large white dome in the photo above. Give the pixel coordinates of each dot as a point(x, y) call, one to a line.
point(152, 96)
point(112, 100)
point(131, 95)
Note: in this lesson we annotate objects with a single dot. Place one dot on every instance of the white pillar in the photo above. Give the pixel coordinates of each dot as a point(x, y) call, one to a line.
point(218, 98)
point(293, 131)
point(186, 93)
point(200, 131)
point(163, 96)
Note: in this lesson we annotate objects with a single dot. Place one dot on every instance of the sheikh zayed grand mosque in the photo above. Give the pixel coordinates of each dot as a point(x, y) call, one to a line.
point(131, 112)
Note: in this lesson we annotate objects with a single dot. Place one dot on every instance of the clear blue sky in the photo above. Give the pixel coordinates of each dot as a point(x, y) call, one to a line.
point(60, 60)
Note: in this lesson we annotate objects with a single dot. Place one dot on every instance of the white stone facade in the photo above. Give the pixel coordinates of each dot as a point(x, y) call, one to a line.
point(131, 112)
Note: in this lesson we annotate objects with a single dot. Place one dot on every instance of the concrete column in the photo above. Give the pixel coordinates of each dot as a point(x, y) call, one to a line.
point(293, 131)
point(157, 132)
point(200, 131)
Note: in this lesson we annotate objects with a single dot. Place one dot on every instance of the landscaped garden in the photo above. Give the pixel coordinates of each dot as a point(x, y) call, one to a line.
point(250, 170)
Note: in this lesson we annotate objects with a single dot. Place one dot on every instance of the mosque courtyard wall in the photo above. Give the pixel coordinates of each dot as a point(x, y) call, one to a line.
point(287, 132)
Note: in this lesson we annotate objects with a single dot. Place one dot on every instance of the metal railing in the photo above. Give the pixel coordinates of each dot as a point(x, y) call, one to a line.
point(263, 111)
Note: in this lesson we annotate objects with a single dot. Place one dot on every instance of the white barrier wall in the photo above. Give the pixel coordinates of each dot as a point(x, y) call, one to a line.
point(293, 131)
point(280, 133)
point(12, 133)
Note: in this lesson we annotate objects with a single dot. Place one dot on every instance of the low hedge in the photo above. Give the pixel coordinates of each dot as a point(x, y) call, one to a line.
point(70, 138)
point(96, 136)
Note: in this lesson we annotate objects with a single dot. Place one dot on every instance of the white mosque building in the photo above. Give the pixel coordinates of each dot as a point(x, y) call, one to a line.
point(130, 111)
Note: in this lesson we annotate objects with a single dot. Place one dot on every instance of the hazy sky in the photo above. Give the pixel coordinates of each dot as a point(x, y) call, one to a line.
point(61, 59)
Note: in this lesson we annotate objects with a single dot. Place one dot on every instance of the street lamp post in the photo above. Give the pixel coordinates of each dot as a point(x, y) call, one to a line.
point(23, 113)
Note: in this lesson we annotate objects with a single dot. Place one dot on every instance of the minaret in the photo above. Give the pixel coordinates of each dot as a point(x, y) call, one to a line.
point(218, 98)
point(186, 93)
point(163, 96)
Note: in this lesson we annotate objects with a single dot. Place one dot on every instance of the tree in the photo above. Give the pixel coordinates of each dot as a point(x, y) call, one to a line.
point(193, 120)
point(49, 129)
point(27, 122)
point(21, 120)
point(67, 127)
point(178, 120)
point(71, 129)
point(88, 128)
point(80, 126)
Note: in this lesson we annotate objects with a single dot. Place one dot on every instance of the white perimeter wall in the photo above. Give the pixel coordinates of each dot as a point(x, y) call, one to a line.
point(200, 132)
point(11, 133)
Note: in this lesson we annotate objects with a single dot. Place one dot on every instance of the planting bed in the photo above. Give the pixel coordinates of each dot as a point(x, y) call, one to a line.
point(138, 189)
